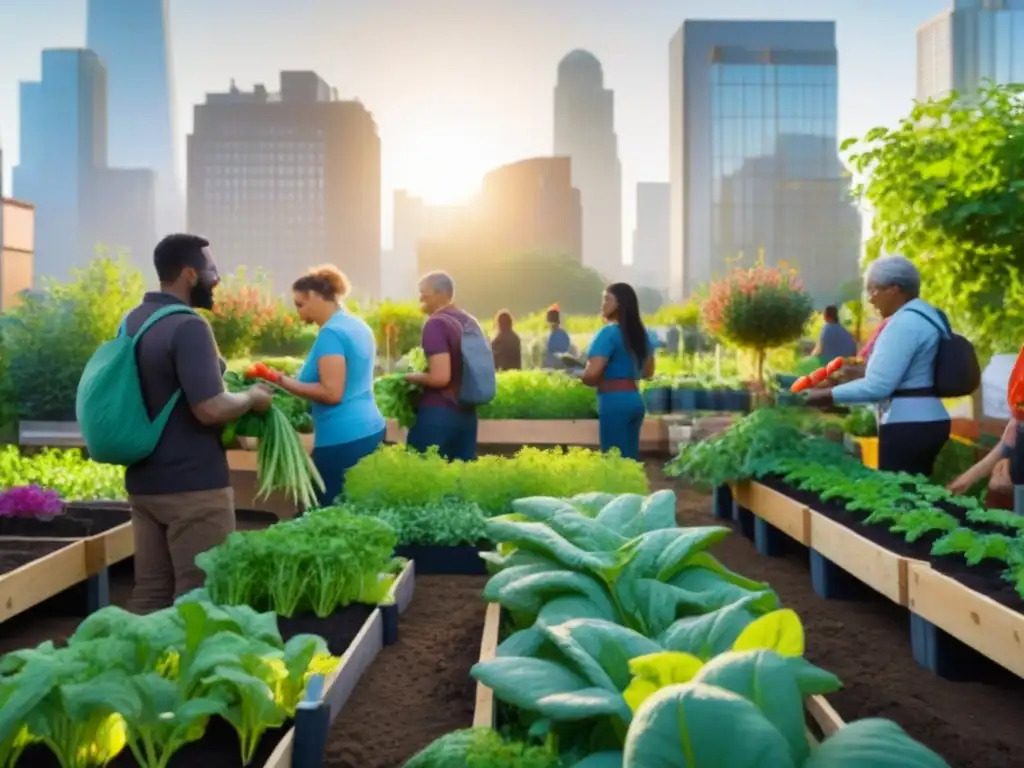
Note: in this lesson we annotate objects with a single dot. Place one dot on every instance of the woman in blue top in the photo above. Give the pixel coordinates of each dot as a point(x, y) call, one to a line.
point(620, 354)
point(337, 377)
point(900, 374)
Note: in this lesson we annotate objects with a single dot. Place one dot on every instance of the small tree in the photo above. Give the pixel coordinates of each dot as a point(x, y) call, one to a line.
point(757, 309)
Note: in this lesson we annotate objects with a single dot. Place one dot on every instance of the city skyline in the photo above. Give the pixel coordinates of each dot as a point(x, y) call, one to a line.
point(458, 99)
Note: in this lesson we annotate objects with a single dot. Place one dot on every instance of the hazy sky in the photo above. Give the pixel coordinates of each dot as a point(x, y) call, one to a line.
point(461, 86)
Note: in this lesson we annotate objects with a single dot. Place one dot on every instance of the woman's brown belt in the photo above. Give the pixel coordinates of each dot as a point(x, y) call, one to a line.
point(616, 385)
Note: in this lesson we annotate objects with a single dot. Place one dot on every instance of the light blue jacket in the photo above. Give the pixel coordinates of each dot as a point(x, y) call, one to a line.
point(903, 358)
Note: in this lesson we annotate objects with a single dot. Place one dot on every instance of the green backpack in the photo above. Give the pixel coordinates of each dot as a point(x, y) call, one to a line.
point(110, 408)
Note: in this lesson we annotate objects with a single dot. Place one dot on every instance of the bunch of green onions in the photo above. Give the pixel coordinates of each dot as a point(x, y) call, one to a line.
point(282, 464)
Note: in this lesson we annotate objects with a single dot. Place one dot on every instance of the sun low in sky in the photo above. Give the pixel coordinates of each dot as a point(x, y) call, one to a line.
point(445, 158)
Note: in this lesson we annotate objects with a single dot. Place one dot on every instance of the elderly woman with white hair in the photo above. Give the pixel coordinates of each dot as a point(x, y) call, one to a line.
point(900, 374)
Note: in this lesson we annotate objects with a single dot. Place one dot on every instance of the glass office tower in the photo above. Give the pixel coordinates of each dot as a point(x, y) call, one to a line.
point(755, 166)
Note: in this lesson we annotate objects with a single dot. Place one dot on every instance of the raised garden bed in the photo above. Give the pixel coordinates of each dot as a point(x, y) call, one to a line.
point(32, 571)
point(953, 607)
point(435, 560)
point(822, 719)
point(539, 432)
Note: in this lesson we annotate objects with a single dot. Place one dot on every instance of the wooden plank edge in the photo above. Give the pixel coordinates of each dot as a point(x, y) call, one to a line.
point(803, 536)
point(483, 711)
point(823, 714)
point(281, 757)
point(23, 586)
point(1009, 659)
point(404, 587)
point(363, 649)
point(101, 550)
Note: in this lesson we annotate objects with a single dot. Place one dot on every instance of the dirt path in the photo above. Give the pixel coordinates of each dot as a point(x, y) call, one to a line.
point(419, 688)
point(867, 644)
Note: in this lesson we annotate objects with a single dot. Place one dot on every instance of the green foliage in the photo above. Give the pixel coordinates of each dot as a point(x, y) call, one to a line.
point(945, 188)
point(46, 342)
point(68, 472)
point(448, 523)
point(320, 562)
point(862, 422)
point(151, 684)
point(394, 476)
point(397, 327)
point(481, 748)
point(540, 395)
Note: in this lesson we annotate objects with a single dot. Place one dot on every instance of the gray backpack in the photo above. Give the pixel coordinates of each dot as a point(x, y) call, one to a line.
point(479, 382)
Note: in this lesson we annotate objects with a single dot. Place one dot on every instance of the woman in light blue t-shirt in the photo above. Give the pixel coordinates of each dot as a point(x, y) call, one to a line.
point(621, 353)
point(337, 377)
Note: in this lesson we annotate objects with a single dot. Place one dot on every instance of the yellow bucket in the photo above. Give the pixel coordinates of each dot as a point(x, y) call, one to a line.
point(868, 451)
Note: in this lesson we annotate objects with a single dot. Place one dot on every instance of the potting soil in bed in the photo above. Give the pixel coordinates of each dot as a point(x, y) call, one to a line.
point(76, 522)
point(419, 688)
point(867, 644)
point(14, 554)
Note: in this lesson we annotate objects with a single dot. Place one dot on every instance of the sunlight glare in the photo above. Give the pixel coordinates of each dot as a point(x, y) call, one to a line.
point(446, 162)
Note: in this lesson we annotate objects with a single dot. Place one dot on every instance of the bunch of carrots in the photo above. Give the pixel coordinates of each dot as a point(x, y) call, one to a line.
point(816, 377)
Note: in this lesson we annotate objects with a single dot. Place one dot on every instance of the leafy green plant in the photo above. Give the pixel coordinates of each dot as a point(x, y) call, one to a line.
point(447, 523)
point(540, 395)
point(482, 748)
point(67, 472)
point(394, 476)
point(319, 562)
point(151, 684)
point(861, 422)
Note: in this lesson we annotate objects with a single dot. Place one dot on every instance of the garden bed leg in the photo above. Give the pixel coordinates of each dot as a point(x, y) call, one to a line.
point(97, 591)
point(389, 617)
point(832, 582)
point(768, 539)
point(745, 519)
point(312, 724)
point(85, 597)
point(721, 503)
point(942, 654)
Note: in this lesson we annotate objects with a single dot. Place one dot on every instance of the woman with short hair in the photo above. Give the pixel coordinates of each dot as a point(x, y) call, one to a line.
point(337, 377)
point(900, 373)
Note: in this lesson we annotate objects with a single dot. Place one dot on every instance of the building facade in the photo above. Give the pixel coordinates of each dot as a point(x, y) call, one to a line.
point(79, 201)
point(132, 40)
point(414, 220)
point(754, 165)
point(284, 181)
point(584, 131)
point(17, 250)
point(974, 41)
point(651, 245)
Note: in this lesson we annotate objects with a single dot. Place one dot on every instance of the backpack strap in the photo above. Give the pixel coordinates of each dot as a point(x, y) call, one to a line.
point(160, 314)
point(944, 333)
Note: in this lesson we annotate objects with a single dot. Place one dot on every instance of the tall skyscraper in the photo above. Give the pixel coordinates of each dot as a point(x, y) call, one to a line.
point(974, 41)
point(754, 163)
point(284, 181)
point(132, 40)
point(414, 220)
point(585, 132)
point(79, 201)
point(651, 236)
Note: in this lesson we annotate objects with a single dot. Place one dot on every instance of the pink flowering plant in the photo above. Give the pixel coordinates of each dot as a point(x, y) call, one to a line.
point(757, 308)
point(30, 501)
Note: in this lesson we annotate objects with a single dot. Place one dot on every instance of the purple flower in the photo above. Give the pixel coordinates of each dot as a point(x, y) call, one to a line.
point(30, 501)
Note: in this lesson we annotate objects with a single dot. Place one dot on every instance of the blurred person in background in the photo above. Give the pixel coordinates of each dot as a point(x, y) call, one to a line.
point(900, 374)
point(834, 340)
point(337, 377)
point(559, 343)
point(506, 345)
point(621, 353)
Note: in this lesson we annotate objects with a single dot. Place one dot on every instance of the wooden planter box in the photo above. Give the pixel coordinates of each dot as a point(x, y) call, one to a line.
point(303, 746)
point(778, 510)
point(819, 711)
point(871, 564)
point(991, 629)
point(62, 567)
point(50, 434)
point(544, 432)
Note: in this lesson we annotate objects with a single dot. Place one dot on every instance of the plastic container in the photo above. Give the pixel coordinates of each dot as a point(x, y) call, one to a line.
point(684, 400)
point(868, 451)
point(658, 400)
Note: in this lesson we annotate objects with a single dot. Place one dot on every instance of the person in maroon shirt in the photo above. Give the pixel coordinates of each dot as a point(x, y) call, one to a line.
point(440, 420)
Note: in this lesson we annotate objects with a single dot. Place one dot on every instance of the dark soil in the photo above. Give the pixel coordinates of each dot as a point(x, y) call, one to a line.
point(867, 644)
point(419, 688)
point(985, 577)
point(339, 629)
point(14, 554)
point(77, 522)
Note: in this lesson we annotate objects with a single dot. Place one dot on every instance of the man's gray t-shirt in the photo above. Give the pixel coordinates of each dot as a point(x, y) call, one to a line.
point(836, 341)
point(178, 352)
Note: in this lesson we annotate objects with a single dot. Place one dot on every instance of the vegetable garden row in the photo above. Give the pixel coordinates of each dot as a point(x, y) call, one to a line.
point(615, 636)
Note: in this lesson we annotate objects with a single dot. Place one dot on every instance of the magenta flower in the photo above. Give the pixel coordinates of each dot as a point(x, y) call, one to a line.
point(30, 501)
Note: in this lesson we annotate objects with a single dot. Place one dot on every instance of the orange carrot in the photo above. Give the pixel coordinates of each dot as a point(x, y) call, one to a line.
point(834, 366)
point(801, 384)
